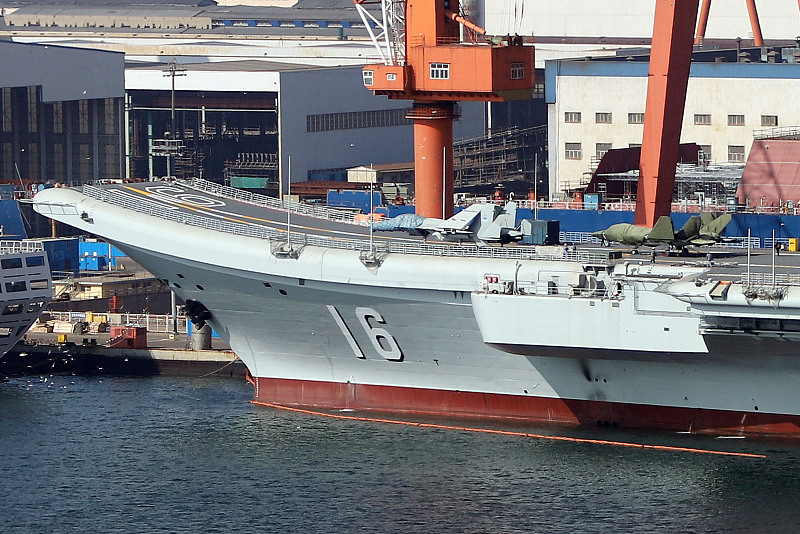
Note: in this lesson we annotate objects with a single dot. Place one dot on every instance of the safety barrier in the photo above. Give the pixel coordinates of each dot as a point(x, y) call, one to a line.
point(248, 197)
point(299, 239)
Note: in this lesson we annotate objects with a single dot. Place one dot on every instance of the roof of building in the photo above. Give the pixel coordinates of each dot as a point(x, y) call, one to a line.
point(102, 72)
point(245, 65)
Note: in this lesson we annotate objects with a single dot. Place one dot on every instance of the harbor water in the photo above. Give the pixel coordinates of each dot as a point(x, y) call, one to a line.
point(176, 454)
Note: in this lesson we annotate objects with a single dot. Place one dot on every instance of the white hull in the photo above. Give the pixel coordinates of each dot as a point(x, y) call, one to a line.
point(421, 333)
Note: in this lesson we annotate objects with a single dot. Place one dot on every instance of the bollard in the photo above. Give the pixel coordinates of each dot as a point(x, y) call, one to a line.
point(201, 338)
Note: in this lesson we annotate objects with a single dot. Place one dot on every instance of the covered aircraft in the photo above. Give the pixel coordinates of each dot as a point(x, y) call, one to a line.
point(700, 230)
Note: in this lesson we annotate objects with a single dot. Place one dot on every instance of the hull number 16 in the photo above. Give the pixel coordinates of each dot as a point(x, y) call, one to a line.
point(383, 342)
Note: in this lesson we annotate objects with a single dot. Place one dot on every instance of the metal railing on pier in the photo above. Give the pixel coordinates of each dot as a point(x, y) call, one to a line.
point(152, 322)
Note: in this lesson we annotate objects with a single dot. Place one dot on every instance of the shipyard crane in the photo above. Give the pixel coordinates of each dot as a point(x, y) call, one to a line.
point(422, 57)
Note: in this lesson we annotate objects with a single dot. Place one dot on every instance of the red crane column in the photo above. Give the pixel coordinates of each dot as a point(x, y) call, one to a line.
point(758, 40)
point(433, 158)
point(670, 58)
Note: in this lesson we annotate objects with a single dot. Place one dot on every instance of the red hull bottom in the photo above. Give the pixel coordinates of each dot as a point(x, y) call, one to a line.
point(334, 395)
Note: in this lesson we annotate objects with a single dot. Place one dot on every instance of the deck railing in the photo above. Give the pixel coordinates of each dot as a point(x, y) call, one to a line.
point(233, 193)
point(299, 240)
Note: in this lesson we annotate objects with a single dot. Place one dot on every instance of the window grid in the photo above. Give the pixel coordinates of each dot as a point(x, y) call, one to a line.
point(769, 120)
point(702, 119)
point(368, 76)
point(735, 120)
point(736, 153)
point(33, 109)
point(573, 151)
point(602, 118)
point(517, 71)
point(635, 118)
point(601, 149)
point(572, 116)
point(440, 71)
point(357, 119)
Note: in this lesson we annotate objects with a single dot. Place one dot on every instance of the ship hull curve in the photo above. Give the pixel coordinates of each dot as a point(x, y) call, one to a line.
point(305, 345)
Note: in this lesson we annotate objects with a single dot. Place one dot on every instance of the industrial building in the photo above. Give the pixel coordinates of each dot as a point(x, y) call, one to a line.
point(594, 106)
point(244, 92)
point(595, 25)
point(57, 127)
point(253, 123)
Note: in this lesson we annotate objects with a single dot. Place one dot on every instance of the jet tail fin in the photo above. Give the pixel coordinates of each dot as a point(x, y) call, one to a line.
point(662, 230)
point(691, 229)
point(716, 226)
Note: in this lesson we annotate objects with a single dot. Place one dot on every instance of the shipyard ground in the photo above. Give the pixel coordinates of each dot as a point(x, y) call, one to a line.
point(89, 354)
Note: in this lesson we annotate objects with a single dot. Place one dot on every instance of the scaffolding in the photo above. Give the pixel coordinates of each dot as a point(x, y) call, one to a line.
point(501, 156)
point(252, 170)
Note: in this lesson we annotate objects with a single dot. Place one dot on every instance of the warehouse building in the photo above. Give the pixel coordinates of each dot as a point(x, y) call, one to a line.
point(61, 113)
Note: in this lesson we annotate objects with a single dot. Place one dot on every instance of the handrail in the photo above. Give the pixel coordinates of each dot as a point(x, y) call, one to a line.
point(767, 279)
point(299, 239)
point(248, 197)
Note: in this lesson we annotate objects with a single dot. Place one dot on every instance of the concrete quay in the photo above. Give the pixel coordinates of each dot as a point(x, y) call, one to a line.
point(44, 353)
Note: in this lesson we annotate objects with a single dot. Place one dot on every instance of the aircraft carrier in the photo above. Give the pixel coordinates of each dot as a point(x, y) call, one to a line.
point(325, 316)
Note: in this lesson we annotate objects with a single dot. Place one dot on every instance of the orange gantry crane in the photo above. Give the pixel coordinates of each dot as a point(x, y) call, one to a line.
point(423, 57)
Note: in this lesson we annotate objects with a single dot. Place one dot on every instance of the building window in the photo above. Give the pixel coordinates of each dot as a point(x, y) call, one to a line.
point(58, 117)
point(573, 151)
point(601, 149)
point(635, 118)
point(517, 71)
point(602, 118)
point(368, 77)
point(391, 76)
point(705, 152)
point(702, 119)
point(33, 109)
point(572, 116)
point(634, 145)
point(735, 120)
point(440, 71)
point(15, 287)
point(769, 120)
point(736, 153)
point(6, 123)
point(83, 116)
point(357, 119)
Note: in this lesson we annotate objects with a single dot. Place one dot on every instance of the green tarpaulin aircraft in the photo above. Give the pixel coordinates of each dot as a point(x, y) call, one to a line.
point(700, 230)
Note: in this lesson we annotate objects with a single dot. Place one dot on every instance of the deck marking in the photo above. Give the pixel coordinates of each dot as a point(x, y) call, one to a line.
point(511, 433)
point(264, 222)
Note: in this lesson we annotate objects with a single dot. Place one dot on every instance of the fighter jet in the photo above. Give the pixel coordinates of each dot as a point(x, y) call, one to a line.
point(478, 223)
point(698, 231)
